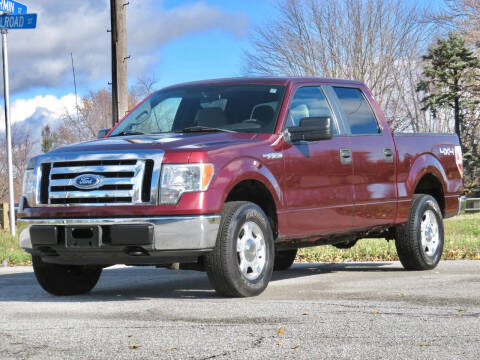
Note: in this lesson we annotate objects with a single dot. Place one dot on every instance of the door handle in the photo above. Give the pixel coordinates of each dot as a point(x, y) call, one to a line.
point(345, 156)
point(388, 154)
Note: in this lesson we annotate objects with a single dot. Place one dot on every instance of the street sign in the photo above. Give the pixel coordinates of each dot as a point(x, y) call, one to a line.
point(15, 17)
point(12, 7)
point(28, 21)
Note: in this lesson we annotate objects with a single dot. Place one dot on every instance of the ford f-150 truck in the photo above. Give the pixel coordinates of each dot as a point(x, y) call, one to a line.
point(231, 177)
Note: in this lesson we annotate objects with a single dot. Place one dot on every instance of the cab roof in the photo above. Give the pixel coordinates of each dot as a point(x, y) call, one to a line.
point(285, 81)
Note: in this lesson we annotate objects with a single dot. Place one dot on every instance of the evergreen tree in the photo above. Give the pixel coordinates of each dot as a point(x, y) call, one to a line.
point(471, 175)
point(49, 139)
point(451, 79)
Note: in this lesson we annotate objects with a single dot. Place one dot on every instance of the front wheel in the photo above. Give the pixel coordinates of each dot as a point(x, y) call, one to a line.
point(241, 264)
point(65, 279)
point(420, 241)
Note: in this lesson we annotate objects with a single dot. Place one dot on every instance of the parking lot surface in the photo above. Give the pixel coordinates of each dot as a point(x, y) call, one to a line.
point(312, 311)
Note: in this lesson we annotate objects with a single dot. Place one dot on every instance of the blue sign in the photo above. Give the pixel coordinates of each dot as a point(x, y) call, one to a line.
point(12, 7)
point(18, 21)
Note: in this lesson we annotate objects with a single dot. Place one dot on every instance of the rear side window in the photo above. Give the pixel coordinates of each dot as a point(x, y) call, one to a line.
point(359, 114)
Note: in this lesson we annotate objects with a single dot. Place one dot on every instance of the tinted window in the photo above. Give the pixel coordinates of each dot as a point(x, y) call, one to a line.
point(308, 102)
point(359, 114)
point(244, 108)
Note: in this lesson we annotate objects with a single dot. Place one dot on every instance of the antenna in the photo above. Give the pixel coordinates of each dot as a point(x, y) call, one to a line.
point(75, 85)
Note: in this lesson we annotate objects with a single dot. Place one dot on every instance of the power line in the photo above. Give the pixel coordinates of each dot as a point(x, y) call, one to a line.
point(75, 86)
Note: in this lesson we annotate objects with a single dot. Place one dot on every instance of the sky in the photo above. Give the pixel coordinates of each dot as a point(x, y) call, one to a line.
point(173, 41)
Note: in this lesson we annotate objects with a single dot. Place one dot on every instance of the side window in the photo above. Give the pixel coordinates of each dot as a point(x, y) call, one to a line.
point(359, 114)
point(309, 102)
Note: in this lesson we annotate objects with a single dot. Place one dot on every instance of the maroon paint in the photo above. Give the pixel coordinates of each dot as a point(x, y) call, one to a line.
point(314, 193)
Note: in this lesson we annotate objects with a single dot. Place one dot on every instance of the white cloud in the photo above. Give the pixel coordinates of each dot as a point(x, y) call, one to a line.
point(29, 116)
point(40, 58)
point(38, 111)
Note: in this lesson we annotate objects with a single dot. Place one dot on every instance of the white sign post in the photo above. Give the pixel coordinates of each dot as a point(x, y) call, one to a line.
point(19, 20)
point(6, 89)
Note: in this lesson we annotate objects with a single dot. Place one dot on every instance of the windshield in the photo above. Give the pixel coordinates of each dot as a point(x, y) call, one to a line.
point(239, 108)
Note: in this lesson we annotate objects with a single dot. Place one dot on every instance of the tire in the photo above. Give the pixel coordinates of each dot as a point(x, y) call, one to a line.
point(419, 242)
point(284, 259)
point(64, 280)
point(239, 246)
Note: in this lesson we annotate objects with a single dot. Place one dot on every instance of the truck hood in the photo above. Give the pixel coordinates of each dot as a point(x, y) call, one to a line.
point(166, 142)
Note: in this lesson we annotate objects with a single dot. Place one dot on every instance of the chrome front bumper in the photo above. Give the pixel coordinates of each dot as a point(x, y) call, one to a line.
point(170, 232)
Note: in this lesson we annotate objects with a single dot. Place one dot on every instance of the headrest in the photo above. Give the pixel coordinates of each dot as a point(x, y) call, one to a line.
point(211, 117)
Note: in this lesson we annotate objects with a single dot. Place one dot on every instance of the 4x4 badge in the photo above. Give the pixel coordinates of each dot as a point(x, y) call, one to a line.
point(446, 151)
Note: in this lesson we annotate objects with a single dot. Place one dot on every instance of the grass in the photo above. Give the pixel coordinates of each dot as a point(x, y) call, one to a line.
point(10, 249)
point(462, 242)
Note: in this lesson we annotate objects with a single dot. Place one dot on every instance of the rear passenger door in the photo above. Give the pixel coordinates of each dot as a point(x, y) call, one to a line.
point(373, 153)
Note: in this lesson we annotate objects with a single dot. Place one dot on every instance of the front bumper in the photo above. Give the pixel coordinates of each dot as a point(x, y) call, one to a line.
point(170, 233)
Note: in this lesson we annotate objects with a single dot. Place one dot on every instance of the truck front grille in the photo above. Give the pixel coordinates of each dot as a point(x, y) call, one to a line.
point(122, 182)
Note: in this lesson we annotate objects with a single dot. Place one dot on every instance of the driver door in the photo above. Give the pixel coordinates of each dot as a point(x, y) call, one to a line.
point(318, 174)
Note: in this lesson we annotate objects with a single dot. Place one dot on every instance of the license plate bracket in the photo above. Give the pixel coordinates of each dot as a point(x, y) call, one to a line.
point(83, 236)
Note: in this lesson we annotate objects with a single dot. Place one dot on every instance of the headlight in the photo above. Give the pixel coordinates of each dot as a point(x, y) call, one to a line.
point(29, 186)
point(181, 178)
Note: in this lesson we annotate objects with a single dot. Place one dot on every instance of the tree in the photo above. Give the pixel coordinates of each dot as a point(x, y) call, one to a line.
point(379, 42)
point(451, 80)
point(49, 139)
point(461, 16)
point(471, 175)
point(146, 84)
point(22, 150)
point(94, 113)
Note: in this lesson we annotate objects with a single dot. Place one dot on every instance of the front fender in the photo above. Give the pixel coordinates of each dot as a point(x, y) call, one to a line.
point(247, 168)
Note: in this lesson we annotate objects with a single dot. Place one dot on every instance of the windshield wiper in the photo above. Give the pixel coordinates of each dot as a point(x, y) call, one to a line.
point(192, 129)
point(127, 133)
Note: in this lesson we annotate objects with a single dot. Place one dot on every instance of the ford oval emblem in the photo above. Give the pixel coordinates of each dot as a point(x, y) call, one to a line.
point(88, 181)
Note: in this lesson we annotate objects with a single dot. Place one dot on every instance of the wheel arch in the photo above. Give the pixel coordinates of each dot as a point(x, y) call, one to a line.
point(250, 179)
point(430, 184)
point(427, 176)
point(257, 192)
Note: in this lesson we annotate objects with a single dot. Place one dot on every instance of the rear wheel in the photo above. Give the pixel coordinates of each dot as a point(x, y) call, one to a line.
point(284, 259)
point(420, 241)
point(65, 279)
point(242, 262)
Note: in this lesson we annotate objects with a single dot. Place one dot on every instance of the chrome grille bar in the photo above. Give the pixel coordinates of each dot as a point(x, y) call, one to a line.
point(97, 194)
point(106, 181)
point(93, 169)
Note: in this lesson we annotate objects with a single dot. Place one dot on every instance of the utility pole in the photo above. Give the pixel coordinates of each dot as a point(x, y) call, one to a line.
point(119, 59)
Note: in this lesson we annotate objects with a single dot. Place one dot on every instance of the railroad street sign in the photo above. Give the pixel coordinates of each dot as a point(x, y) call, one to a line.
point(12, 7)
point(27, 21)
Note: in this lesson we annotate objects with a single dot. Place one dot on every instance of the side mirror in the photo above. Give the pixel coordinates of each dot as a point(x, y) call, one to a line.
point(102, 133)
point(310, 129)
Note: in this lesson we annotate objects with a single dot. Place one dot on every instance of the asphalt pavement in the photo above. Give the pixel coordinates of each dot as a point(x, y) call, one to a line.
point(312, 311)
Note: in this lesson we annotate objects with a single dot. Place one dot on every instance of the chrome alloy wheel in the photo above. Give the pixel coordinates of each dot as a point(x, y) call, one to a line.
point(429, 233)
point(251, 250)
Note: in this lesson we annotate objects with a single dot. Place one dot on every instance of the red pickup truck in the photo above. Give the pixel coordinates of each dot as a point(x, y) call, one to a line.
point(232, 177)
